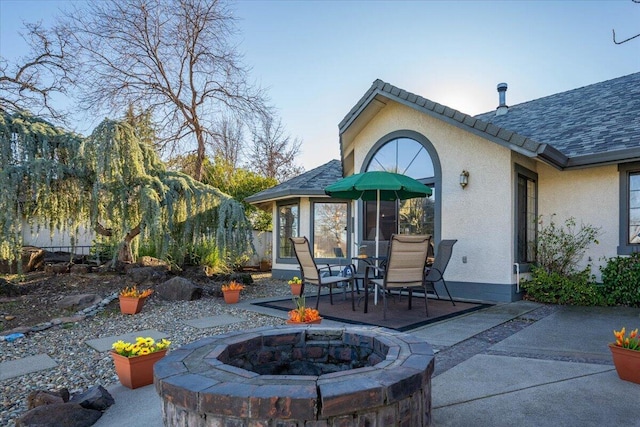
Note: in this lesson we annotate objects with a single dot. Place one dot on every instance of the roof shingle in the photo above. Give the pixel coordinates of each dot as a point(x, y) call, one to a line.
point(593, 119)
point(310, 183)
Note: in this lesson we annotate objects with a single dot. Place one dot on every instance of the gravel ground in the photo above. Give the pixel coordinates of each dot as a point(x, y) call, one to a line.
point(80, 367)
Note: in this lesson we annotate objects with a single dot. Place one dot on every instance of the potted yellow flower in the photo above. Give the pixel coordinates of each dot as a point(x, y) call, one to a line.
point(134, 361)
point(303, 314)
point(295, 285)
point(626, 355)
point(231, 292)
point(132, 300)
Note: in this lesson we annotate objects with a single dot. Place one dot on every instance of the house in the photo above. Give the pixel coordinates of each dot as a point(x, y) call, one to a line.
point(572, 154)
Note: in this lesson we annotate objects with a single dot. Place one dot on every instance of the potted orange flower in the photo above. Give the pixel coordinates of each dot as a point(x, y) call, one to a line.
point(132, 300)
point(626, 355)
point(231, 292)
point(295, 285)
point(134, 361)
point(303, 314)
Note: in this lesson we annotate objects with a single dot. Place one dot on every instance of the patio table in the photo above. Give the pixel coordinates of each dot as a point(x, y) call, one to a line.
point(379, 261)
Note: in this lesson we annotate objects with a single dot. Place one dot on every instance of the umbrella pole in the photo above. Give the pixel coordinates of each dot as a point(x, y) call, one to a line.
point(375, 293)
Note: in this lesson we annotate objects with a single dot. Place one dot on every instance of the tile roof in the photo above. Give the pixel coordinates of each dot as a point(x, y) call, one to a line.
point(310, 183)
point(594, 119)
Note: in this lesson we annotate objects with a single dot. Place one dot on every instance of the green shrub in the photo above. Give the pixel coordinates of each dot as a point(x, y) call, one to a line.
point(555, 288)
point(560, 248)
point(621, 280)
point(102, 250)
point(148, 248)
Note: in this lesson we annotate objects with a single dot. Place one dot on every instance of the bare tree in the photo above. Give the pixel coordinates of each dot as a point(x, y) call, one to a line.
point(272, 152)
point(628, 38)
point(228, 141)
point(47, 69)
point(172, 57)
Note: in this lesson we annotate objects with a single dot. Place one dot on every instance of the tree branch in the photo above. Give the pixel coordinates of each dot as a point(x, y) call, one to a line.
point(625, 40)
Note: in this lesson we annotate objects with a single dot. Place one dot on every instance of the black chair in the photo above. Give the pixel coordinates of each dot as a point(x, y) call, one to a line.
point(319, 276)
point(435, 273)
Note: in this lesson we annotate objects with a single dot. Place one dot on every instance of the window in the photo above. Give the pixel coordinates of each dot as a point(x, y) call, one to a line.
point(634, 209)
point(288, 220)
point(330, 230)
point(526, 215)
point(414, 216)
point(629, 208)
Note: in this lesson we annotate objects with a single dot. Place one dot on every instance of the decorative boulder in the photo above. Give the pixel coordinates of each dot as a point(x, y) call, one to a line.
point(179, 289)
point(80, 269)
point(149, 261)
point(97, 398)
point(149, 275)
point(78, 302)
point(59, 414)
point(54, 269)
point(47, 397)
point(8, 289)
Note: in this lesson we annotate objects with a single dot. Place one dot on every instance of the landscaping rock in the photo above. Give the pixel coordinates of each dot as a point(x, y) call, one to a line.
point(8, 289)
point(59, 414)
point(78, 302)
point(60, 257)
point(148, 261)
point(147, 275)
point(80, 269)
point(53, 269)
point(46, 397)
point(179, 289)
point(97, 398)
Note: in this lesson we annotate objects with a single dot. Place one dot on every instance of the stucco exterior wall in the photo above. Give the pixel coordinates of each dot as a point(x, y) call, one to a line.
point(479, 216)
point(591, 197)
point(482, 215)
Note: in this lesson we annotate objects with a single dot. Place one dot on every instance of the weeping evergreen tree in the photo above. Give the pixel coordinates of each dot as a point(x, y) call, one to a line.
point(42, 177)
point(115, 181)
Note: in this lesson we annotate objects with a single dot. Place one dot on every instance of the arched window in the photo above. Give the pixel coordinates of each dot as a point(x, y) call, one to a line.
point(407, 156)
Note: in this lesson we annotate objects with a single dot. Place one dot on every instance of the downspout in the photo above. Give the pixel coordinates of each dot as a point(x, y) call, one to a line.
point(517, 268)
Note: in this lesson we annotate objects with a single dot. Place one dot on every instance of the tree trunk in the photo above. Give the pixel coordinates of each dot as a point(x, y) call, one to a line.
point(199, 168)
point(124, 254)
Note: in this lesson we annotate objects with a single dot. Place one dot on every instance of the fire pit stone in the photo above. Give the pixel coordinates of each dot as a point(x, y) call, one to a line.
point(298, 376)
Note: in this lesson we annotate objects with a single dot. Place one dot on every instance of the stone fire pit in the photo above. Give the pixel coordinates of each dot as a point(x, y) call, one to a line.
point(298, 376)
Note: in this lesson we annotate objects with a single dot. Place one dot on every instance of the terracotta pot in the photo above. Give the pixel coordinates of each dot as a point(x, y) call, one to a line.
point(627, 363)
point(131, 305)
point(296, 289)
point(134, 372)
point(313, 322)
point(231, 297)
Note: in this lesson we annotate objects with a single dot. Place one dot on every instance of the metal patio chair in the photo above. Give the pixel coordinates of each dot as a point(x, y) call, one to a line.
point(320, 276)
point(405, 269)
point(435, 272)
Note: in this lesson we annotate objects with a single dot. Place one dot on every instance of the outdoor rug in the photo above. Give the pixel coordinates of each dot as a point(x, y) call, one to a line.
point(398, 316)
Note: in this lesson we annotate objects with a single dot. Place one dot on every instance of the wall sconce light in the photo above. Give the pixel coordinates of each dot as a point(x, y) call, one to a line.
point(464, 179)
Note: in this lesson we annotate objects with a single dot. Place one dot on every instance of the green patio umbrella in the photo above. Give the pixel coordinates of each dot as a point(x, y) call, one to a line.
point(377, 185)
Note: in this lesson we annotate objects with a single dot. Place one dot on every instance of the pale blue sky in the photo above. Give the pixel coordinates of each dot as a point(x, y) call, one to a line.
point(317, 58)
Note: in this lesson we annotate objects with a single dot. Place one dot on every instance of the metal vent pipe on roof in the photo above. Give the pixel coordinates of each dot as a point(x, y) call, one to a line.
point(502, 94)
